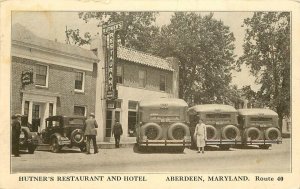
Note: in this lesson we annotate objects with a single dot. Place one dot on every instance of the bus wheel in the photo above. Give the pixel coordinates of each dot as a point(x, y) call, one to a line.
point(264, 146)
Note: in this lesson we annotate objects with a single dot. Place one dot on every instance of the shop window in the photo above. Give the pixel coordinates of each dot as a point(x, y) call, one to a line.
point(41, 75)
point(119, 78)
point(142, 78)
point(162, 83)
point(79, 110)
point(79, 81)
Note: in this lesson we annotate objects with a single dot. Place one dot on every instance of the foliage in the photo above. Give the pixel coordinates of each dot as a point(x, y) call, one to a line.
point(267, 52)
point(76, 38)
point(138, 27)
point(204, 47)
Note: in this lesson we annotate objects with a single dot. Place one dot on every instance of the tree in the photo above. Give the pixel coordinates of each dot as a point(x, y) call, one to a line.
point(267, 52)
point(204, 47)
point(138, 27)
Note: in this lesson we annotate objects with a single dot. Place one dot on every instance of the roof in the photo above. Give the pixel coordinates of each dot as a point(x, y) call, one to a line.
point(22, 34)
point(257, 111)
point(132, 55)
point(212, 108)
point(171, 102)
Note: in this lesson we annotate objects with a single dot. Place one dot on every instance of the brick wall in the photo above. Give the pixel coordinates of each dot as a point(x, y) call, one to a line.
point(131, 77)
point(61, 80)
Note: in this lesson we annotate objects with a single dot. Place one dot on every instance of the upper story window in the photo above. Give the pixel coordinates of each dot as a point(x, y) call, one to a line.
point(119, 74)
point(142, 78)
point(41, 75)
point(162, 82)
point(79, 81)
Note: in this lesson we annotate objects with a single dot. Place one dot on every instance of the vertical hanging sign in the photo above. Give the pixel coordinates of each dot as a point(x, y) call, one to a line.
point(110, 31)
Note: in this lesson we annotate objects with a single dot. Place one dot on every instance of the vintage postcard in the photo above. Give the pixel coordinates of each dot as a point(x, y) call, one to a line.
point(149, 94)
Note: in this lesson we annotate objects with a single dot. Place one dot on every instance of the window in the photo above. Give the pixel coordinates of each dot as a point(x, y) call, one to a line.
point(119, 77)
point(132, 105)
point(162, 83)
point(142, 78)
point(79, 81)
point(26, 108)
point(79, 110)
point(51, 109)
point(41, 78)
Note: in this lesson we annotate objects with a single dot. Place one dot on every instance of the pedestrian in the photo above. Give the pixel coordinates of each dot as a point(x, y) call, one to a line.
point(200, 135)
point(16, 131)
point(117, 132)
point(90, 133)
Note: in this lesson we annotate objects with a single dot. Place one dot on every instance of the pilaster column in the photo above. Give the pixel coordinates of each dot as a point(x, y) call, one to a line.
point(30, 112)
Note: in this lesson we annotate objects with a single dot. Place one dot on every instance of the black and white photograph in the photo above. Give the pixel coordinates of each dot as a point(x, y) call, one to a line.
point(136, 92)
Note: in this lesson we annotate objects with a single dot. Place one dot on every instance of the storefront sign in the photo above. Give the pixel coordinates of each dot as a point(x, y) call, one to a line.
point(110, 31)
point(111, 104)
point(27, 77)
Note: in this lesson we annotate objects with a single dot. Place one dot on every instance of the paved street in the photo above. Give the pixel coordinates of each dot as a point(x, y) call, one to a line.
point(249, 160)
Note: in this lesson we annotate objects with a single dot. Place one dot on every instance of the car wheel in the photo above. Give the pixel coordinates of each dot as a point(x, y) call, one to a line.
point(31, 148)
point(82, 148)
point(55, 147)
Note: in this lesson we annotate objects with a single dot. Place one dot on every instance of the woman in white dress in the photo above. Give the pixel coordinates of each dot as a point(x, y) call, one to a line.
point(200, 135)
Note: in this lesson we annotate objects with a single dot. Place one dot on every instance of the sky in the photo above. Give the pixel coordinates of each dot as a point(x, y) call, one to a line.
point(52, 26)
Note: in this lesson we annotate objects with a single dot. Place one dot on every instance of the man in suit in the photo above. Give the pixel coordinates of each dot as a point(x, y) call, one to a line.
point(117, 132)
point(90, 133)
point(16, 131)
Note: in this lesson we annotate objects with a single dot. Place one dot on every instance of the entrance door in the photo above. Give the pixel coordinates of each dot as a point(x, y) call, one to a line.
point(132, 121)
point(111, 117)
point(36, 120)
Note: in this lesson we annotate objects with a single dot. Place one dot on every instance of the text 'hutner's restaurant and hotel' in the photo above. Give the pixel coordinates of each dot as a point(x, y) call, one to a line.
point(52, 78)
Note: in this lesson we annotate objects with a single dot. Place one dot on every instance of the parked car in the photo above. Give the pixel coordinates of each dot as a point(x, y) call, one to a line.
point(28, 139)
point(259, 127)
point(64, 131)
point(221, 124)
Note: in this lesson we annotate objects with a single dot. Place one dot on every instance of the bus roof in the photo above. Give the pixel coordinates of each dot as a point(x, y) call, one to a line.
point(175, 102)
point(211, 108)
point(257, 111)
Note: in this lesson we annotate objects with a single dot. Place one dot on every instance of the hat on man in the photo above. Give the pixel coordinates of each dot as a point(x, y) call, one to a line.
point(16, 116)
point(92, 114)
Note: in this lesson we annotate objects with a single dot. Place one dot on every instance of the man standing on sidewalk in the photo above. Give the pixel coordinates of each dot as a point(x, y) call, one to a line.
point(117, 132)
point(90, 133)
point(16, 131)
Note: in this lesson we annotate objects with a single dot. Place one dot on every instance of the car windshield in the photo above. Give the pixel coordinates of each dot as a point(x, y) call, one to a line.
point(260, 119)
point(217, 116)
point(76, 121)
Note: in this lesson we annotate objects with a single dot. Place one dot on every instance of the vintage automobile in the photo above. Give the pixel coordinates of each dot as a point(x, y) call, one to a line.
point(163, 123)
point(221, 124)
point(259, 127)
point(64, 131)
point(28, 139)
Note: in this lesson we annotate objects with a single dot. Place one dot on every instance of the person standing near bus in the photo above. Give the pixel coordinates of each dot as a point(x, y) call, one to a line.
point(117, 132)
point(200, 135)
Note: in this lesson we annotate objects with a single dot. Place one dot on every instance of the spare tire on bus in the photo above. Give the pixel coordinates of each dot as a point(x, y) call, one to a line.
point(211, 132)
point(272, 133)
point(178, 131)
point(77, 136)
point(152, 131)
point(252, 133)
point(230, 132)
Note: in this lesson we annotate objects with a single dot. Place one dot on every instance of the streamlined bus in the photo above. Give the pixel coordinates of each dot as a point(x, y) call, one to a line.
point(163, 122)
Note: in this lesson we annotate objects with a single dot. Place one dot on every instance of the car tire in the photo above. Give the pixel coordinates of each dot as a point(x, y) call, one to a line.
point(270, 131)
point(153, 129)
point(253, 131)
point(55, 147)
point(74, 134)
point(177, 127)
point(264, 146)
point(82, 148)
point(211, 132)
point(228, 130)
point(31, 148)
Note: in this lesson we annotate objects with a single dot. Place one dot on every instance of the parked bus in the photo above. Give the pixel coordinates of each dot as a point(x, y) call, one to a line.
point(163, 123)
point(221, 124)
point(259, 127)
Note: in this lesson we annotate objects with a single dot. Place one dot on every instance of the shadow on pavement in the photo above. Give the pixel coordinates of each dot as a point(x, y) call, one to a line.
point(155, 150)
